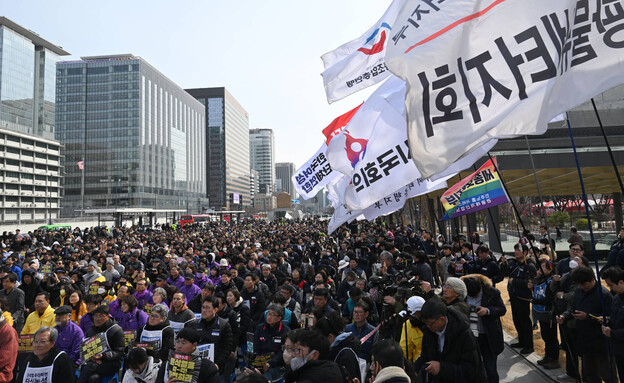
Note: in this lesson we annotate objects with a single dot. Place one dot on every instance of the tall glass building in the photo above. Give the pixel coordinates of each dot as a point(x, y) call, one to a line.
point(227, 142)
point(262, 155)
point(284, 172)
point(30, 165)
point(139, 137)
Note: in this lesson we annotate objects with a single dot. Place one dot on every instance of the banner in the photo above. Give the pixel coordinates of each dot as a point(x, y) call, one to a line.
point(339, 123)
point(183, 367)
point(129, 337)
point(472, 75)
point(359, 63)
point(25, 342)
point(313, 175)
point(480, 190)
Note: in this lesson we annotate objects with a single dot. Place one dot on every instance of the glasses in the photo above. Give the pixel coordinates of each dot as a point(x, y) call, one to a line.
point(181, 341)
point(155, 316)
point(358, 312)
point(575, 249)
point(272, 314)
point(430, 323)
point(40, 342)
point(287, 349)
point(297, 351)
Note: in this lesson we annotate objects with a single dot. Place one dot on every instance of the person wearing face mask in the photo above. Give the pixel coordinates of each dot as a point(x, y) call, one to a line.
point(388, 363)
point(69, 334)
point(309, 359)
point(345, 285)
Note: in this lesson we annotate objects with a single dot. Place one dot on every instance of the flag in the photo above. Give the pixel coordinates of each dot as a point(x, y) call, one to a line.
point(480, 190)
point(80, 165)
point(339, 123)
point(472, 75)
point(313, 175)
point(359, 63)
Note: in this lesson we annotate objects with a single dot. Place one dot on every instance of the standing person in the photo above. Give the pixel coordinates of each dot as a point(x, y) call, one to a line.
point(70, 335)
point(47, 363)
point(15, 297)
point(485, 265)
point(253, 297)
point(543, 302)
point(445, 261)
point(108, 362)
point(8, 350)
point(614, 277)
point(486, 309)
point(412, 330)
point(521, 273)
point(360, 328)
point(449, 343)
point(575, 237)
point(586, 306)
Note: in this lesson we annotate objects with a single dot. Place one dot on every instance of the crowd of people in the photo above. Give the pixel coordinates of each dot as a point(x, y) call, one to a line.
point(258, 301)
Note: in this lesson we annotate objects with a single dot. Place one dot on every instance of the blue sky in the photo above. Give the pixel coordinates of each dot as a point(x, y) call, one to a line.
point(265, 52)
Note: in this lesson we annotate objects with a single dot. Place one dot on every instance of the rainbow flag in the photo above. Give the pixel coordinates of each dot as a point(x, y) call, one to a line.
point(480, 190)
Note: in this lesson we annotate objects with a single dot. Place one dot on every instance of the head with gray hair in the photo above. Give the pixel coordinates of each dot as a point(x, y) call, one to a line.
point(278, 309)
point(53, 333)
point(160, 309)
point(161, 292)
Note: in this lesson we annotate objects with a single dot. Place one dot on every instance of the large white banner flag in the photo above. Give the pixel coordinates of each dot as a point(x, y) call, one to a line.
point(483, 69)
point(314, 174)
point(359, 63)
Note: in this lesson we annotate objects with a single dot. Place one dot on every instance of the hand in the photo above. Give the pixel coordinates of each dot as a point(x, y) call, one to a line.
point(606, 331)
point(389, 300)
point(98, 358)
point(433, 367)
point(556, 278)
point(172, 379)
point(462, 261)
point(503, 259)
point(266, 367)
point(426, 286)
point(481, 311)
point(579, 315)
point(560, 319)
point(560, 295)
point(510, 281)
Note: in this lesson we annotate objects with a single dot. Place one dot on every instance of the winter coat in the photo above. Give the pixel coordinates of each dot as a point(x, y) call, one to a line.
point(491, 300)
point(34, 322)
point(488, 267)
point(143, 298)
point(30, 291)
point(62, 370)
point(256, 303)
point(244, 321)
point(69, 340)
point(460, 360)
point(190, 292)
point(16, 304)
point(133, 320)
point(590, 340)
point(344, 351)
point(179, 320)
point(86, 322)
point(361, 332)
point(411, 338)
point(268, 340)
point(616, 323)
point(392, 374)
point(521, 273)
point(315, 371)
point(218, 332)
point(166, 340)
point(8, 351)
point(115, 339)
point(149, 374)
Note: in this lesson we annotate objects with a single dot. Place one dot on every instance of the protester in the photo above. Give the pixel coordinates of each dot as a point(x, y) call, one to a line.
point(186, 342)
point(47, 363)
point(15, 298)
point(8, 350)
point(388, 363)
point(157, 332)
point(310, 359)
point(70, 335)
point(543, 301)
point(142, 368)
point(614, 278)
point(41, 317)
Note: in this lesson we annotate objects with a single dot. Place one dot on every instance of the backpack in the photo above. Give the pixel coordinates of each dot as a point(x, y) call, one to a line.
point(361, 364)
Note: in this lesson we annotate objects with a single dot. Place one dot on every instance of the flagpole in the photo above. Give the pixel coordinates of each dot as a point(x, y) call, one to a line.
point(593, 242)
point(604, 135)
point(539, 192)
point(513, 205)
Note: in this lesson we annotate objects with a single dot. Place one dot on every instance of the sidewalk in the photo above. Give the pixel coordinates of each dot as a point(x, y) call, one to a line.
point(513, 367)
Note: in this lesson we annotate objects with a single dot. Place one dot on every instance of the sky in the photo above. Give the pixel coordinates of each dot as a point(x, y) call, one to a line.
point(265, 52)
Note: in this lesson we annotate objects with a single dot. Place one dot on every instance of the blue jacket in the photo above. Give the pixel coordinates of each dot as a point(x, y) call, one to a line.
point(133, 320)
point(69, 340)
point(361, 332)
point(190, 291)
point(86, 322)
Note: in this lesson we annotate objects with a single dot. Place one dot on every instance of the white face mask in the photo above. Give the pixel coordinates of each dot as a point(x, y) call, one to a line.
point(59, 324)
point(298, 361)
point(101, 291)
point(351, 283)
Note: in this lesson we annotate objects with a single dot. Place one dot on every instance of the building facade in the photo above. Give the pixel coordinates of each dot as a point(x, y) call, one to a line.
point(283, 174)
point(30, 158)
point(227, 143)
point(138, 136)
point(253, 186)
point(262, 157)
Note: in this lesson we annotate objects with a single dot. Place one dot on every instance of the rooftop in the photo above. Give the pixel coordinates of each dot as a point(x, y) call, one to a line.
point(32, 36)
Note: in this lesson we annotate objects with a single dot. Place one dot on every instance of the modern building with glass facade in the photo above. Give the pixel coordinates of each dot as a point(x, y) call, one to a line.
point(139, 137)
point(262, 157)
point(30, 158)
point(227, 143)
point(283, 173)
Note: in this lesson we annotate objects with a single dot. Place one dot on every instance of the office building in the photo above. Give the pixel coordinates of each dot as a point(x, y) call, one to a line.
point(138, 136)
point(262, 157)
point(283, 173)
point(253, 186)
point(30, 167)
point(227, 143)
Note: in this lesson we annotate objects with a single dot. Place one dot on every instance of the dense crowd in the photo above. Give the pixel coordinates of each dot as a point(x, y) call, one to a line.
point(272, 301)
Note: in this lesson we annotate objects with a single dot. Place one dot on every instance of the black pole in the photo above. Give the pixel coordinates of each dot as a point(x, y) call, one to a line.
point(604, 135)
point(539, 192)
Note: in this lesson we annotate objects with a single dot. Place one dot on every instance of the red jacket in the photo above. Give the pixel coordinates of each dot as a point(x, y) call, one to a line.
point(8, 351)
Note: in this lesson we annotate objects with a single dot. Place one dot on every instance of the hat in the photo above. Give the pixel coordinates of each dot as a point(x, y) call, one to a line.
point(156, 260)
point(189, 276)
point(65, 309)
point(93, 263)
point(110, 260)
point(459, 286)
point(60, 270)
point(415, 304)
point(55, 243)
point(161, 277)
point(342, 264)
point(223, 262)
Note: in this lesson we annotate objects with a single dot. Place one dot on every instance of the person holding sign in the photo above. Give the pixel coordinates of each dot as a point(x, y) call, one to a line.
point(8, 350)
point(186, 351)
point(70, 335)
point(215, 333)
point(107, 358)
point(42, 316)
point(47, 364)
point(157, 334)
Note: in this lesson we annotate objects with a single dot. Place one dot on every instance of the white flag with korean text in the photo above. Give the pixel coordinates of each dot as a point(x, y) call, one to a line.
point(314, 174)
point(359, 63)
point(472, 75)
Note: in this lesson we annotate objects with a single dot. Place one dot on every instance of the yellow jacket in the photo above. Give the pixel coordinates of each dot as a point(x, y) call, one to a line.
point(34, 322)
point(76, 315)
point(414, 341)
point(8, 317)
